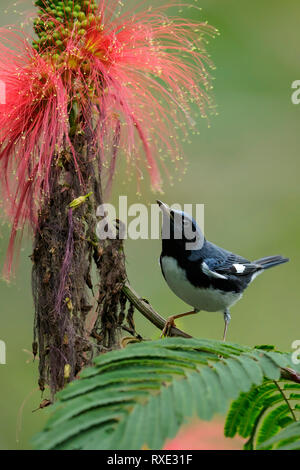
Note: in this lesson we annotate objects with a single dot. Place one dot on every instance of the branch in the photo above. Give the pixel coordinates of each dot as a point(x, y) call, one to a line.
point(290, 374)
point(148, 311)
point(157, 320)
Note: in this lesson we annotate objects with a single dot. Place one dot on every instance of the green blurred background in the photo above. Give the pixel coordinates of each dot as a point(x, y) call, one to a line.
point(244, 168)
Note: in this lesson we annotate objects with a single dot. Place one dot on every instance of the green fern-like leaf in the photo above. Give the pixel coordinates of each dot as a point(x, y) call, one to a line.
point(286, 439)
point(141, 395)
point(257, 404)
point(237, 414)
point(263, 412)
point(271, 424)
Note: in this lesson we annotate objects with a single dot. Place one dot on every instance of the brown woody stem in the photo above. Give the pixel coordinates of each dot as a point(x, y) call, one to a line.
point(148, 312)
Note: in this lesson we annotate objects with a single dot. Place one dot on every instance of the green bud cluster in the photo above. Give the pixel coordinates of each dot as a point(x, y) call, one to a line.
point(56, 21)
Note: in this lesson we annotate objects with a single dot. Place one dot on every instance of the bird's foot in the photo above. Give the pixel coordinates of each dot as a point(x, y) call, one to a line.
point(170, 323)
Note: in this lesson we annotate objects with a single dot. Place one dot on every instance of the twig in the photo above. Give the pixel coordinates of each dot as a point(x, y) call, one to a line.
point(290, 374)
point(148, 311)
point(157, 320)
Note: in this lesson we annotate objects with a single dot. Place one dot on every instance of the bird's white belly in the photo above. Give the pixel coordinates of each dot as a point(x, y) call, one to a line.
point(210, 300)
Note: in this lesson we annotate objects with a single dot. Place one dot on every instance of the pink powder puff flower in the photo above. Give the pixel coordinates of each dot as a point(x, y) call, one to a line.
point(33, 128)
point(133, 76)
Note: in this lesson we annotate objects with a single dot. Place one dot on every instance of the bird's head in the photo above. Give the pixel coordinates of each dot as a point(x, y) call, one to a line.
point(180, 230)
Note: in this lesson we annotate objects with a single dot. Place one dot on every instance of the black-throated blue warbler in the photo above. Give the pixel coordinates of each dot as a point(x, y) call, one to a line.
point(200, 273)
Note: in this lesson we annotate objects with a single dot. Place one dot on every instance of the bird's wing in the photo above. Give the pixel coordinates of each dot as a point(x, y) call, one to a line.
point(240, 269)
point(210, 272)
point(229, 265)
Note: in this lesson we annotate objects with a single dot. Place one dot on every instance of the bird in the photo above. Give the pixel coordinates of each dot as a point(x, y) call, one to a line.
point(202, 274)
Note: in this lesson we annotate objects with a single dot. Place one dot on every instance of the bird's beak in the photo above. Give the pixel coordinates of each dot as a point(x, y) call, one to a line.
point(164, 208)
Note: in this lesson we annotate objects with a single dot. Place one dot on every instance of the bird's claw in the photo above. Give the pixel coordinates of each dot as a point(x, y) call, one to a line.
point(170, 323)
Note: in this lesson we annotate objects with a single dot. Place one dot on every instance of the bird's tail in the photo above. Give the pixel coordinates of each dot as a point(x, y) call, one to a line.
point(271, 261)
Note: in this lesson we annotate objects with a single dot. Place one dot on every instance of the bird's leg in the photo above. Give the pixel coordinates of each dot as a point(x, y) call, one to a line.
point(227, 318)
point(171, 322)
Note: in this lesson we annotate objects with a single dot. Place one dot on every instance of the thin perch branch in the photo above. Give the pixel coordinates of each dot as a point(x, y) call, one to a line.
point(290, 374)
point(157, 320)
point(148, 311)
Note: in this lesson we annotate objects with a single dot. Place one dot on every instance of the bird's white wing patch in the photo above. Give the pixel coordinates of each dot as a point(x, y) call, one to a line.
point(240, 268)
point(210, 273)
